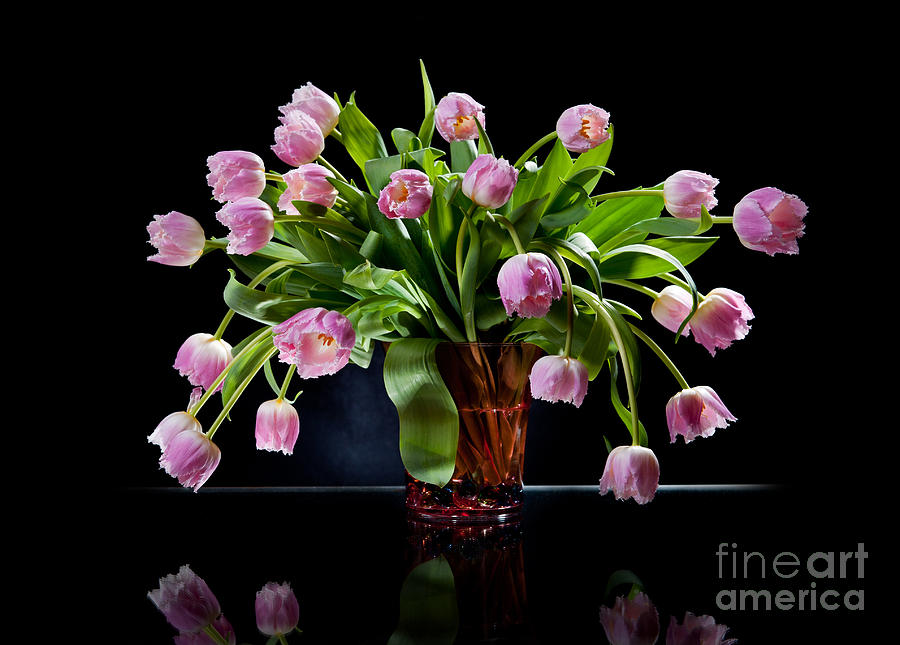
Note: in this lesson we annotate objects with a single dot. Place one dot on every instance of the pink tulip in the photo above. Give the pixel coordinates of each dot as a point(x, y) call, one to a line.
point(201, 358)
point(220, 624)
point(316, 340)
point(186, 601)
point(408, 195)
point(234, 174)
point(631, 621)
point(190, 457)
point(172, 425)
point(583, 127)
point(671, 308)
point(454, 117)
point(559, 378)
point(277, 609)
point(178, 238)
point(696, 412)
point(686, 190)
point(277, 426)
point(631, 472)
point(489, 182)
point(770, 220)
point(298, 140)
point(721, 319)
point(308, 183)
point(697, 630)
point(251, 223)
point(317, 104)
point(528, 284)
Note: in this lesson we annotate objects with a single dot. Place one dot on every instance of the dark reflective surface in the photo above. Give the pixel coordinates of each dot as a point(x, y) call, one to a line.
point(363, 572)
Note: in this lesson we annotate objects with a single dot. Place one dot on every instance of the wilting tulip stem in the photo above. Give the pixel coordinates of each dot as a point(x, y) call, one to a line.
point(274, 176)
point(287, 381)
point(628, 193)
point(262, 275)
point(662, 356)
point(337, 174)
point(237, 394)
point(337, 135)
point(570, 297)
point(511, 229)
point(214, 634)
point(527, 154)
point(647, 291)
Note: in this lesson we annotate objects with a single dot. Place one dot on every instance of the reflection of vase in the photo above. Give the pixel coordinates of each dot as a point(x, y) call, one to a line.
point(489, 384)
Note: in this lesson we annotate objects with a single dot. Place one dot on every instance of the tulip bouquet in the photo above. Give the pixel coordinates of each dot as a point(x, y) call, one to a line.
point(443, 239)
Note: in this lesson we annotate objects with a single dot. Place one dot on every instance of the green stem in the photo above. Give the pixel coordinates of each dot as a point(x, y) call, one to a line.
point(511, 229)
point(337, 135)
point(722, 220)
point(628, 193)
point(337, 174)
point(662, 356)
point(647, 291)
point(274, 176)
point(237, 394)
point(225, 320)
point(668, 277)
point(287, 380)
point(570, 297)
point(460, 241)
point(214, 634)
point(527, 154)
point(262, 275)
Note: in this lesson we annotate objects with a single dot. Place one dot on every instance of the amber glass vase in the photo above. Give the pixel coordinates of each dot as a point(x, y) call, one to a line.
point(489, 384)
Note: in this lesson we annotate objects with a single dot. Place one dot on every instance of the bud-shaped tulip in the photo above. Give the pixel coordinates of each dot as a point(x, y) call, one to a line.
point(317, 104)
point(770, 220)
point(234, 174)
point(489, 182)
point(697, 630)
point(178, 239)
point(721, 319)
point(671, 307)
point(583, 127)
point(559, 378)
point(298, 140)
point(631, 472)
point(220, 624)
point(631, 621)
point(528, 284)
point(251, 223)
point(696, 412)
point(277, 426)
point(308, 183)
point(408, 195)
point(186, 601)
point(190, 457)
point(454, 117)
point(171, 426)
point(277, 609)
point(201, 358)
point(687, 190)
point(316, 340)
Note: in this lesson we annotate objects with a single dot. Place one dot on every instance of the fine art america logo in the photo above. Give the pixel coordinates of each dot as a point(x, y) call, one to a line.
point(786, 581)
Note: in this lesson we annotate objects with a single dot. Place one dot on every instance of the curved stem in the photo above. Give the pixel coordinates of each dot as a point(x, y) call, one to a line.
point(640, 192)
point(511, 229)
point(337, 174)
point(570, 297)
point(337, 135)
point(647, 291)
point(237, 394)
point(540, 142)
point(287, 380)
point(225, 320)
point(274, 176)
point(262, 275)
point(668, 277)
point(214, 634)
point(662, 356)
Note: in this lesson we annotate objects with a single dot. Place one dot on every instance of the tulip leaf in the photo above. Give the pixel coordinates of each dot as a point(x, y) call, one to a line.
point(359, 136)
point(429, 614)
point(562, 213)
point(558, 164)
point(623, 412)
point(273, 308)
point(379, 170)
point(596, 157)
point(468, 276)
point(462, 154)
point(429, 421)
point(367, 276)
point(595, 349)
point(611, 217)
point(246, 366)
point(525, 218)
point(426, 130)
point(484, 143)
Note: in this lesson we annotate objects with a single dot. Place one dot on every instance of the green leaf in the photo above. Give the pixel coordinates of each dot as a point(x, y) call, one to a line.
point(404, 140)
point(246, 367)
point(272, 308)
point(462, 154)
point(674, 226)
point(426, 130)
point(571, 205)
point(428, 607)
point(558, 164)
point(613, 216)
point(596, 157)
point(621, 410)
point(636, 261)
point(368, 276)
point(468, 279)
point(484, 144)
point(359, 136)
point(595, 350)
point(379, 170)
point(429, 421)
point(525, 218)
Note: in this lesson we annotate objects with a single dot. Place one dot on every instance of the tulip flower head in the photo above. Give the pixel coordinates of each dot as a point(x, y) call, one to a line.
point(277, 609)
point(190, 457)
point(720, 319)
point(178, 238)
point(277, 426)
point(316, 340)
point(671, 307)
point(528, 284)
point(687, 190)
point(696, 412)
point(631, 621)
point(308, 183)
point(697, 629)
point(631, 472)
point(251, 223)
point(317, 104)
point(455, 115)
point(407, 195)
point(172, 425)
point(770, 220)
point(234, 174)
point(559, 378)
point(489, 182)
point(186, 601)
point(298, 140)
point(201, 358)
point(583, 127)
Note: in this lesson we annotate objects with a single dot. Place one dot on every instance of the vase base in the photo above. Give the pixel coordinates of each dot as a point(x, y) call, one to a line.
point(465, 516)
point(459, 503)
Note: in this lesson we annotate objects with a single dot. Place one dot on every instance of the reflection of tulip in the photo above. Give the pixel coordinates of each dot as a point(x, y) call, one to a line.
point(631, 472)
point(721, 319)
point(696, 412)
point(190, 457)
point(171, 426)
point(671, 307)
point(686, 190)
point(178, 239)
point(201, 358)
point(251, 223)
point(221, 625)
point(489, 182)
point(308, 183)
point(277, 609)
point(631, 621)
point(770, 220)
point(317, 104)
point(454, 117)
point(234, 174)
point(186, 601)
point(697, 630)
point(408, 195)
point(277, 426)
point(559, 378)
point(528, 284)
point(583, 127)
point(316, 340)
point(298, 140)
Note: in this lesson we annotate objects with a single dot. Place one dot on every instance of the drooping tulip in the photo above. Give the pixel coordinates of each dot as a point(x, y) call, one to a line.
point(178, 238)
point(671, 307)
point(687, 190)
point(251, 225)
point(631, 621)
point(631, 472)
point(201, 358)
point(316, 340)
point(583, 127)
point(696, 412)
point(559, 378)
point(234, 174)
point(489, 182)
point(277, 426)
point(455, 115)
point(407, 195)
point(190, 457)
point(770, 220)
point(186, 601)
point(720, 319)
point(695, 630)
point(528, 284)
point(298, 140)
point(277, 609)
point(308, 183)
point(171, 425)
point(317, 104)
